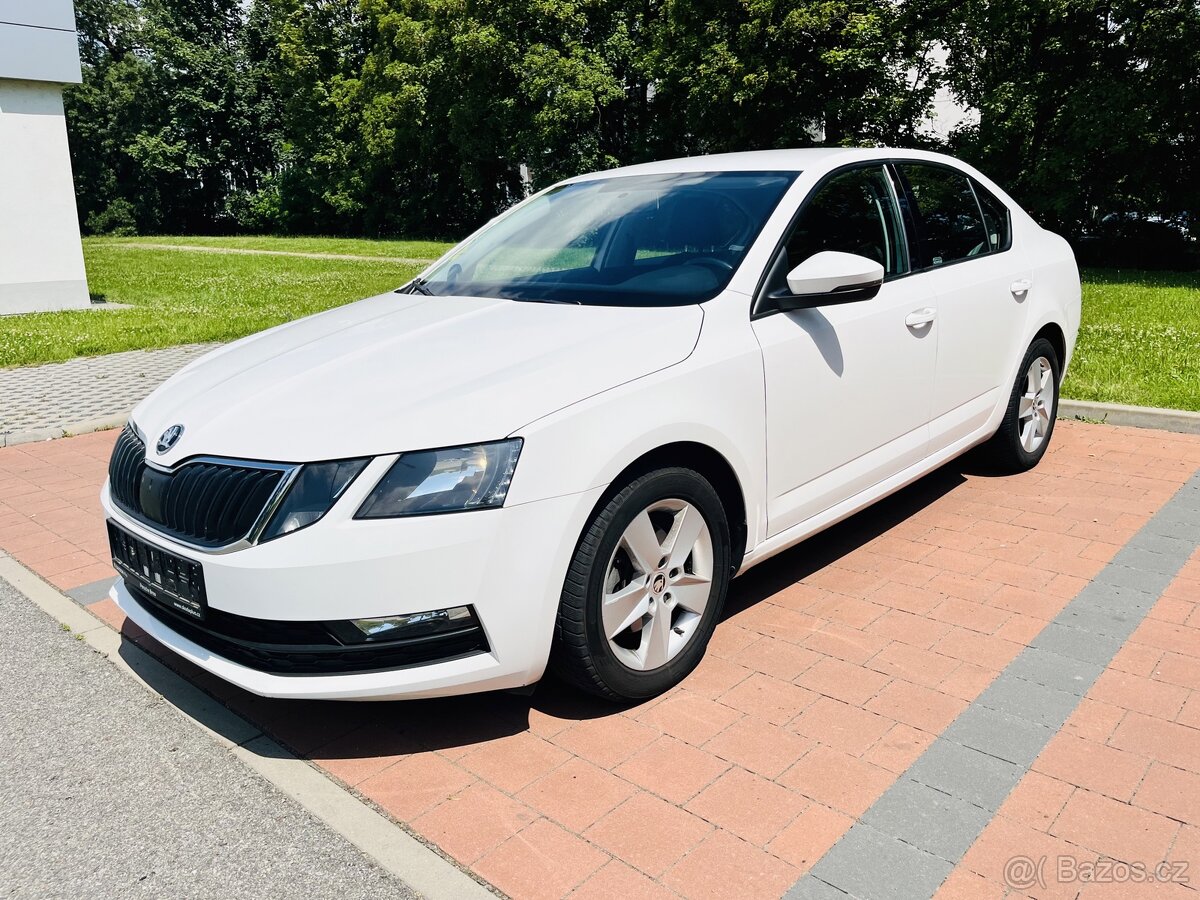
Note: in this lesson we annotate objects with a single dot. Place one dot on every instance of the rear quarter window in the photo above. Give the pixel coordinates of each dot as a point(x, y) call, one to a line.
point(995, 218)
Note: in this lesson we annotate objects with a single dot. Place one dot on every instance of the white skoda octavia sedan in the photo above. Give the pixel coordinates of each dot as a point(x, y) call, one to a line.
point(558, 444)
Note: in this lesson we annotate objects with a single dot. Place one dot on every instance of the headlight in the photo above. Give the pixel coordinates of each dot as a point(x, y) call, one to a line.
point(440, 481)
point(311, 495)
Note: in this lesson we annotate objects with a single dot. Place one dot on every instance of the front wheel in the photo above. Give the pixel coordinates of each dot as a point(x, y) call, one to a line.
point(1028, 423)
point(645, 588)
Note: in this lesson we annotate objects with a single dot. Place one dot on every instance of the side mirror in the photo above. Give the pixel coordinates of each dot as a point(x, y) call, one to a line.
point(830, 277)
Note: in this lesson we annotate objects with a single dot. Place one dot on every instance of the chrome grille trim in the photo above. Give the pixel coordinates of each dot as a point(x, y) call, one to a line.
point(244, 494)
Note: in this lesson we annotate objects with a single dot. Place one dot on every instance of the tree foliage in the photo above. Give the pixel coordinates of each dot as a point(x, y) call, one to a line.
point(429, 116)
point(1087, 108)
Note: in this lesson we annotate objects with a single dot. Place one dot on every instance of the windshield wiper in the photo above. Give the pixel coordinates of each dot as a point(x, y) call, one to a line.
point(417, 286)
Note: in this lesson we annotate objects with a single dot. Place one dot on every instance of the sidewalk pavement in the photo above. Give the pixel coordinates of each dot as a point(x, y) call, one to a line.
point(106, 791)
point(42, 402)
point(983, 686)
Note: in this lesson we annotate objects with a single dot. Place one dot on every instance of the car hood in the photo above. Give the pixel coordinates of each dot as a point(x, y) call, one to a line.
point(405, 372)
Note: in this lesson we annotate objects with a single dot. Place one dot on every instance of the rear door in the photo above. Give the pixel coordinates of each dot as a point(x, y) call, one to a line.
point(964, 253)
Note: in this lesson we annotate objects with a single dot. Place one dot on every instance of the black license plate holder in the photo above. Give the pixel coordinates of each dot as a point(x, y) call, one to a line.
point(168, 579)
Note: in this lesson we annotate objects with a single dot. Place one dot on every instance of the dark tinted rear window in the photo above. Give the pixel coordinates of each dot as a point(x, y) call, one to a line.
point(952, 227)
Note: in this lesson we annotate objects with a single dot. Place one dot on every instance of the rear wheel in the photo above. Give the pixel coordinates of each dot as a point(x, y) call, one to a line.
point(645, 588)
point(1028, 423)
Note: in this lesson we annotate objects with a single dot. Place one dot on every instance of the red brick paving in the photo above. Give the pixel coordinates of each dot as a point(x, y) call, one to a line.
point(50, 517)
point(837, 665)
point(1121, 781)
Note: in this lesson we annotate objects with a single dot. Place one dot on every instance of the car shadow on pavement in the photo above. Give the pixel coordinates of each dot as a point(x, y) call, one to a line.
point(776, 574)
point(331, 731)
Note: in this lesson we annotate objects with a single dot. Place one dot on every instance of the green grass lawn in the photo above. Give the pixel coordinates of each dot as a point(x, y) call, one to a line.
point(1140, 340)
point(1139, 344)
point(349, 246)
point(180, 297)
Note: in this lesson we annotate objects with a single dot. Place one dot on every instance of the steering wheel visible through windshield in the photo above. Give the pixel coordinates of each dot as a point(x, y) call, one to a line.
point(634, 240)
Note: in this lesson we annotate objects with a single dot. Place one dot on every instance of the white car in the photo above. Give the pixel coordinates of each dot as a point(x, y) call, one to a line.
point(559, 443)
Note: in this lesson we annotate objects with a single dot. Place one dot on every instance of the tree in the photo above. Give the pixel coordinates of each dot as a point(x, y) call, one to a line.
point(786, 73)
point(421, 113)
point(1083, 105)
point(171, 121)
point(430, 116)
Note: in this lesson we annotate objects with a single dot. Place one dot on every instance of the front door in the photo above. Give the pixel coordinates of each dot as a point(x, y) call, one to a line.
point(848, 386)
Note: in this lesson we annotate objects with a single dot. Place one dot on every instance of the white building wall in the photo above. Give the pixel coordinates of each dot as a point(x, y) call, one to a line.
point(41, 258)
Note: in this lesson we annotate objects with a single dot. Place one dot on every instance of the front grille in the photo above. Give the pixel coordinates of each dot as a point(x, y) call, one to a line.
point(210, 504)
point(308, 648)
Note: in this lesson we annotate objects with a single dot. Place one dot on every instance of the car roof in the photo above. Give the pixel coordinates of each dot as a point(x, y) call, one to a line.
point(796, 160)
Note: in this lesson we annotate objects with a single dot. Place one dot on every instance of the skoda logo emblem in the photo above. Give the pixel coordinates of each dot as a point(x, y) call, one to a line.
point(660, 583)
point(169, 438)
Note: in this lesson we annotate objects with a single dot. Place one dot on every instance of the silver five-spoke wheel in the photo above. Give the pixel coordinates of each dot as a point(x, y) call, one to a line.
point(1036, 404)
point(658, 584)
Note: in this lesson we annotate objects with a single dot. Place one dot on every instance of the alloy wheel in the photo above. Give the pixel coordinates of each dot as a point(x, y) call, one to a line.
point(1036, 406)
point(658, 584)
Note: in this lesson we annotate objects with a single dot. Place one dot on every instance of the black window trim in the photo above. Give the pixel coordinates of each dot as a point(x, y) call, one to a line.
point(760, 306)
point(977, 189)
point(917, 238)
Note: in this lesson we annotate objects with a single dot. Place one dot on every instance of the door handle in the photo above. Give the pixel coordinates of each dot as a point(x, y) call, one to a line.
point(1021, 286)
point(919, 317)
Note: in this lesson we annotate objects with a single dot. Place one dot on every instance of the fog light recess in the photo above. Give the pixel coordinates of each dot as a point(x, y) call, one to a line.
point(406, 626)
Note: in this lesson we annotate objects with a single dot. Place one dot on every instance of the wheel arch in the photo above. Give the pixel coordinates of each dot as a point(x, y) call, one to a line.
point(708, 462)
point(1053, 333)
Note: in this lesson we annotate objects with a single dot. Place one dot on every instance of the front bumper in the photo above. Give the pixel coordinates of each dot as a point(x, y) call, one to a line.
point(507, 564)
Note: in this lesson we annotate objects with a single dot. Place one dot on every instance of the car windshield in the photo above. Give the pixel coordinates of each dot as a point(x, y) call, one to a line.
point(635, 240)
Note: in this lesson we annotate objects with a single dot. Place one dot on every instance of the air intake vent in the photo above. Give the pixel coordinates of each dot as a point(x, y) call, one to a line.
point(206, 502)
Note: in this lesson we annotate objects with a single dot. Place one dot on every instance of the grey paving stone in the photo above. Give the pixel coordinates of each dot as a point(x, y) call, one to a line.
point(928, 819)
point(1160, 543)
point(1175, 521)
point(91, 593)
point(966, 773)
point(1152, 581)
point(1077, 643)
point(1096, 619)
point(897, 871)
point(1028, 700)
point(810, 888)
point(1116, 597)
point(1063, 673)
point(61, 396)
point(999, 734)
point(1147, 560)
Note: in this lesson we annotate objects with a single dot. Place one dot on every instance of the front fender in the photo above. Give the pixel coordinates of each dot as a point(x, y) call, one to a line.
point(716, 402)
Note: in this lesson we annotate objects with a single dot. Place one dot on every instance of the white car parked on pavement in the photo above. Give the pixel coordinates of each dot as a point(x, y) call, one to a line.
point(560, 443)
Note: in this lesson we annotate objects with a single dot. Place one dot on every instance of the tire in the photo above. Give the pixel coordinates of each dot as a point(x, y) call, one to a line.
point(605, 563)
point(1011, 447)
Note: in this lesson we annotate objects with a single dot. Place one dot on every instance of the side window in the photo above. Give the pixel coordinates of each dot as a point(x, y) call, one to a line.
point(953, 228)
point(854, 212)
point(995, 217)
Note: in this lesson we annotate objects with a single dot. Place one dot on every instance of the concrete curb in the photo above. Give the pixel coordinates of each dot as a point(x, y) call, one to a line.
point(1177, 420)
point(386, 843)
point(10, 439)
